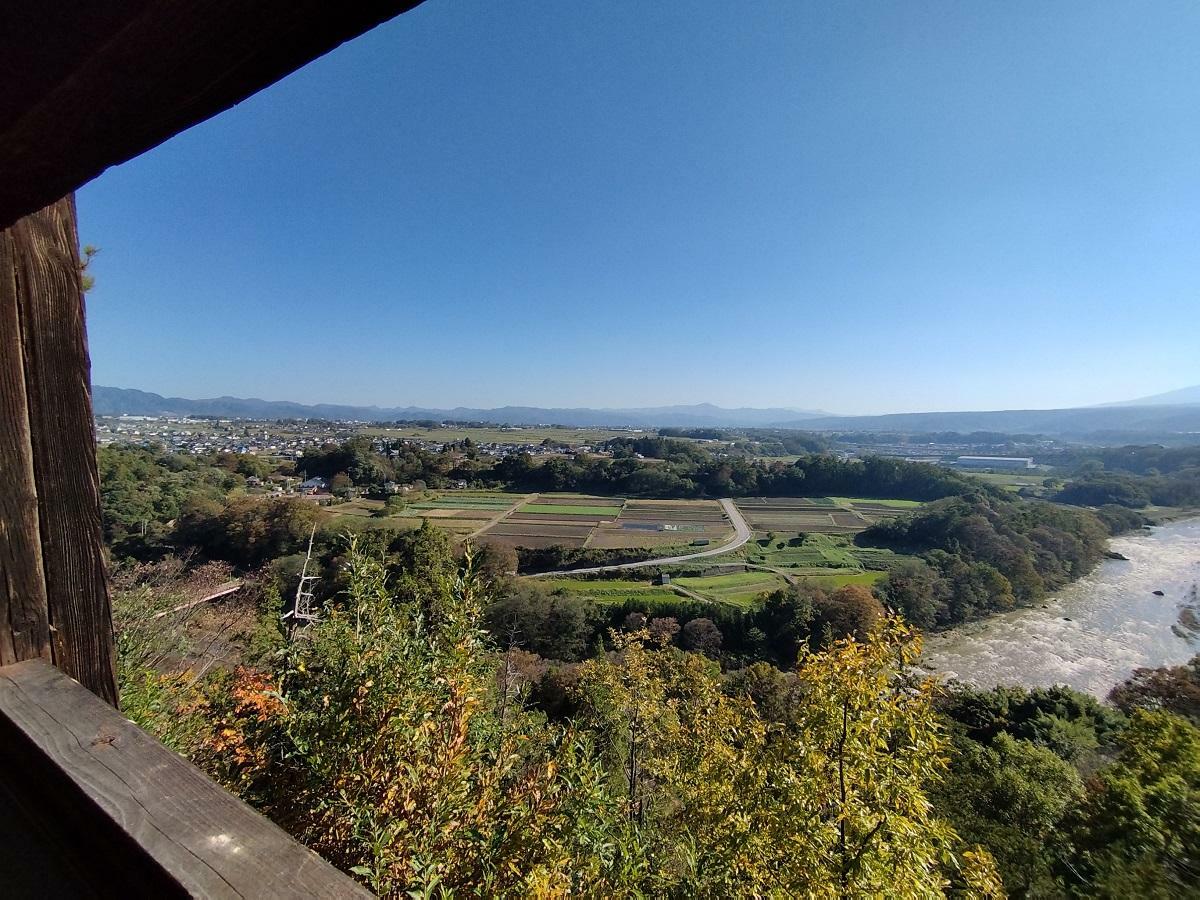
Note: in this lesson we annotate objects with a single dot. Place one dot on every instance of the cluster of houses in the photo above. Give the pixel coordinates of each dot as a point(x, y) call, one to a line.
point(282, 440)
point(202, 436)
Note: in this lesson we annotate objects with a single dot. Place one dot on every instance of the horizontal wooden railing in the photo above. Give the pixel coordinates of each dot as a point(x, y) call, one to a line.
point(91, 805)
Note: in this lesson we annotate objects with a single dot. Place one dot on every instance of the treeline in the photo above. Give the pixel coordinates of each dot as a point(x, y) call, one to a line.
point(978, 554)
point(756, 441)
point(1131, 459)
point(144, 490)
point(707, 475)
point(402, 462)
point(1179, 488)
point(1132, 476)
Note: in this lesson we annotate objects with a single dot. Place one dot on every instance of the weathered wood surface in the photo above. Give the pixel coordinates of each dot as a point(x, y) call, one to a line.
point(130, 814)
point(90, 85)
point(57, 381)
point(24, 626)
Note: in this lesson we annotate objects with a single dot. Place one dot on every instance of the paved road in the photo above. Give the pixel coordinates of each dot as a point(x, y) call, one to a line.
point(739, 525)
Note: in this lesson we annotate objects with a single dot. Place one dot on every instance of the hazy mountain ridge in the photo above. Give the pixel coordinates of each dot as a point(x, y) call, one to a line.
point(110, 401)
point(1114, 421)
point(1181, 397)
point(1093, 421)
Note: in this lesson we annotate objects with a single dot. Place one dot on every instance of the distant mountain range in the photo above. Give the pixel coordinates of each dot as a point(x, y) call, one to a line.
point(1096, 422)
point(1152, 418)
point(110, 401)
point(1182, 397)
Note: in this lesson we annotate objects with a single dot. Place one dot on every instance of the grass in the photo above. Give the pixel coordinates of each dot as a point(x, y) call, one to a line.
point(565, 509)
point(359, 509)
point(611, 591)
point(463, 504)
point(894, 504)
point(738, 589)
point(833, 582)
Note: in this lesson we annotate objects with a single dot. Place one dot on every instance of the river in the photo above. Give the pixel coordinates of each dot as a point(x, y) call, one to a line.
point(1093, 633)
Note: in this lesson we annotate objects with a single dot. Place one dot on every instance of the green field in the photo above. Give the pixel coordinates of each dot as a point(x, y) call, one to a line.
point(820, 551)
point(894, 504)
point(1013, 481)
point(833, 582)
point(611, 590)
point(738, 589)
point(565, 509)
point(464, 504)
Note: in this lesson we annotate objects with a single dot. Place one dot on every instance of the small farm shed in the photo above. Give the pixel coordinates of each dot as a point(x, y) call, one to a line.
point(89, 805)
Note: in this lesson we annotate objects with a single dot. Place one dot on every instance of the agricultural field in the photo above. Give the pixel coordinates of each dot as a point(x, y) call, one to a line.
point(612, 590)
point(361, 514)
point(574, 520)
point(461, 513)
point(732, 586)
point(744, 588)
point(665, 523)
point(737, 588)
point(800, 514)
point(569, 509)
point(815, 551)
point(822, 515)
point(1014, 481)
point(886, 504)
point(841, 579)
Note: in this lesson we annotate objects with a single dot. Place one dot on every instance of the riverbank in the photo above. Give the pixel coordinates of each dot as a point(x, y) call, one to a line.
point(1092, 634)
point(1165, 515)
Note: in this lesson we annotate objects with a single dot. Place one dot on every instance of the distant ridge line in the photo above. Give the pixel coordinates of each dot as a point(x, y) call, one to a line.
point(1106, 423)
point(111, 401)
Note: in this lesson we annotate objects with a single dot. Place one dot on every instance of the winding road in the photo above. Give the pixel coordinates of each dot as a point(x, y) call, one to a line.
point(735, 516)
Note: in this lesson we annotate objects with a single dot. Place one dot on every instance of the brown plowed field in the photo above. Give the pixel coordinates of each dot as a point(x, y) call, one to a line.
point(531, 541)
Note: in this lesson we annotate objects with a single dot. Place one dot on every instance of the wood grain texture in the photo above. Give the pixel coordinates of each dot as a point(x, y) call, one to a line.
point(58, 388)
point(24, 626)
point(90, 85)
point(157, 825)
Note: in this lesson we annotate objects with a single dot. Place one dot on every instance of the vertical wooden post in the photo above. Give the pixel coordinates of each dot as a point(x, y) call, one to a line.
point(24, 616)
point(54, 600)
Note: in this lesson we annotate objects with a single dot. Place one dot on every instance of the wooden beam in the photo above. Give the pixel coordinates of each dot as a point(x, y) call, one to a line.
point(57, 381)
point(131, 817)
point(24, 621)
point(90, 85)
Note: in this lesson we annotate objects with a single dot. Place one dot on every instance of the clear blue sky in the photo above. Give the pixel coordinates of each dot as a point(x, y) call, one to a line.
point(853, 206)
